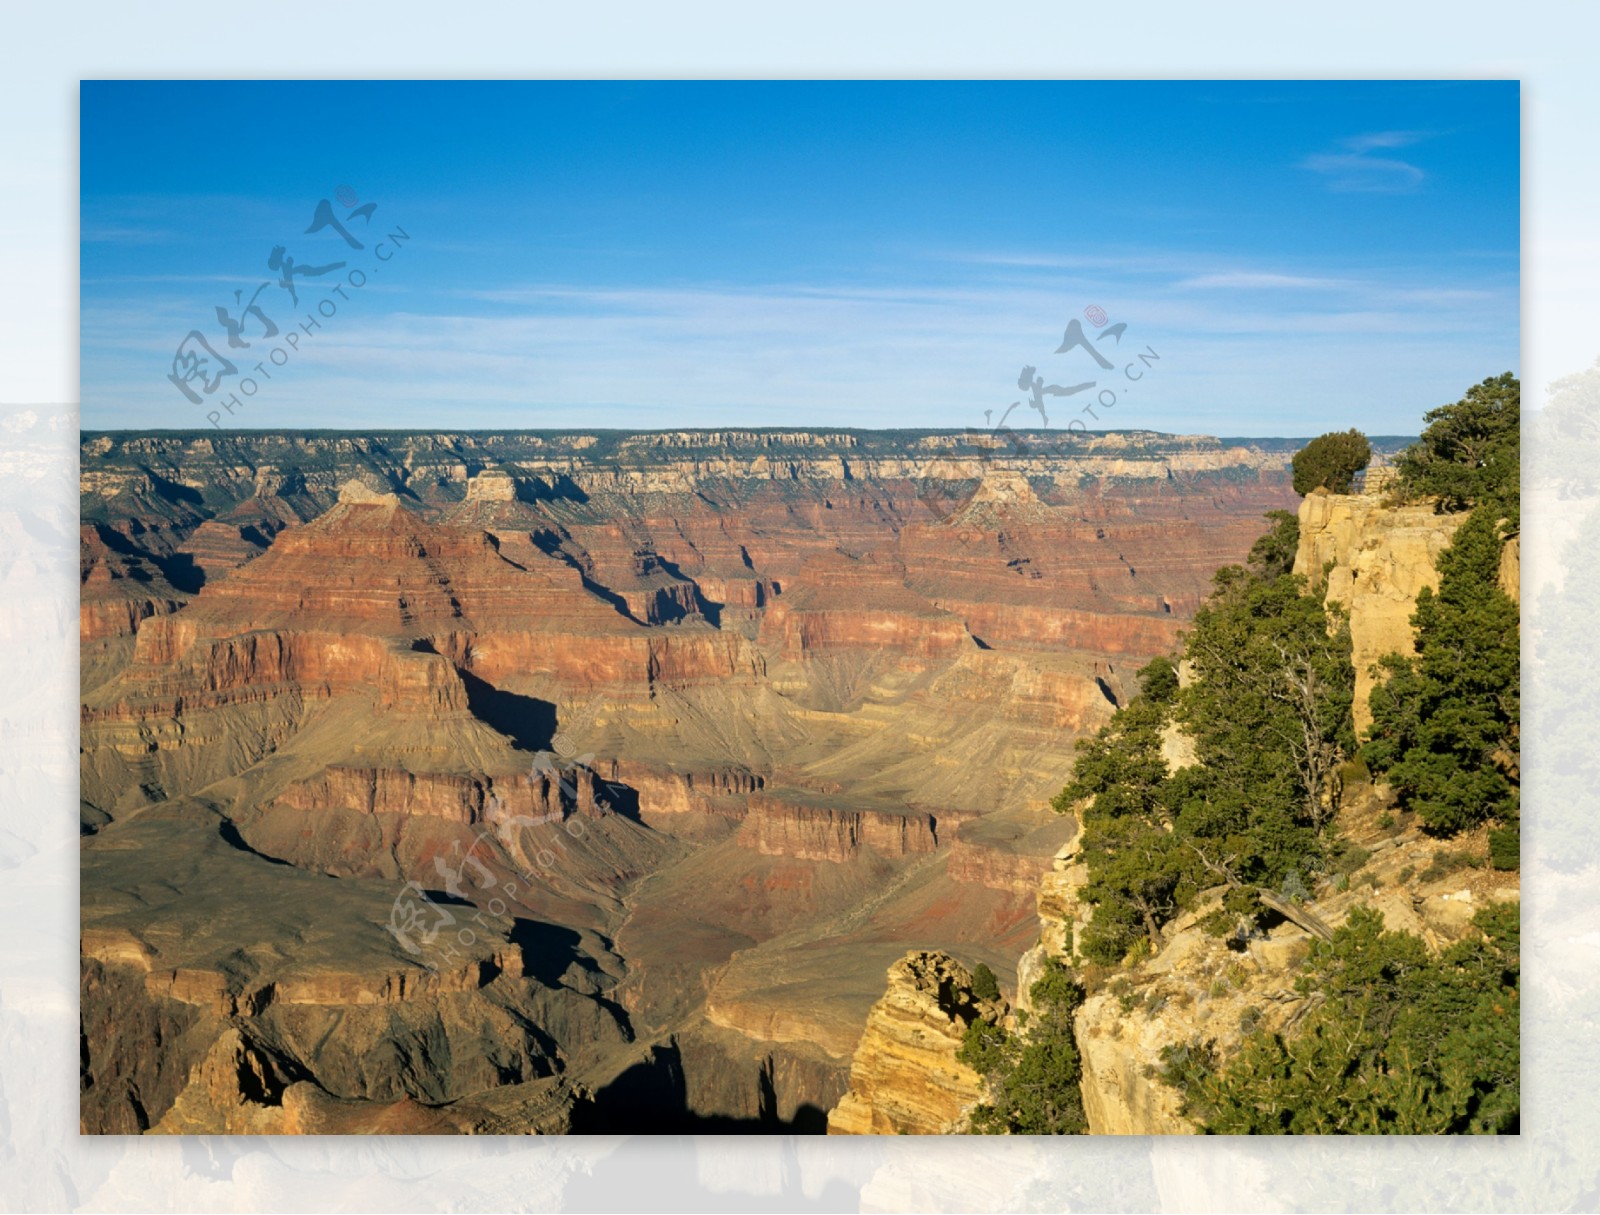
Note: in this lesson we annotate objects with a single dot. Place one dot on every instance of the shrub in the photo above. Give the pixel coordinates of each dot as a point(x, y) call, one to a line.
point(984, 985)
point(1444, 864)
point(1505, 847)
point(1331, 462)
point(1032, 1078)
point(1349, 858)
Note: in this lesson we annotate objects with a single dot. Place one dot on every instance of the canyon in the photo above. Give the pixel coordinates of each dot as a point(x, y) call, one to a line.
point(532, 783)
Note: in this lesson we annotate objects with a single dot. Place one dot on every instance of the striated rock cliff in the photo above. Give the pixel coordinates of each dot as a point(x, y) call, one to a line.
point(118, 588)
point(811, 831)
point(1382, 556)
point(905, 1078)
point(458, 798)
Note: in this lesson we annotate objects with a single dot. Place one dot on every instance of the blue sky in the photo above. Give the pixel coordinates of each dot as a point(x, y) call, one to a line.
point(1301, 255)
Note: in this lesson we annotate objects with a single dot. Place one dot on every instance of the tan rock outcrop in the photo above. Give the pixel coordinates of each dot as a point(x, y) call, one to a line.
point(1060, 916)
point(1382, 556)
point(905, 1078)
point(1511, 568)
point(491, 485)
point(233, 1090)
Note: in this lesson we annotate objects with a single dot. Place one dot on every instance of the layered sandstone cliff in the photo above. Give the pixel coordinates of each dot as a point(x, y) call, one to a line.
point(905, 1078)
point(777, 825)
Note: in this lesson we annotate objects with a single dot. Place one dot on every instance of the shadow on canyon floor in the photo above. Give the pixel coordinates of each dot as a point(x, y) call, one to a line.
point(530, 723)
point(651, 1097)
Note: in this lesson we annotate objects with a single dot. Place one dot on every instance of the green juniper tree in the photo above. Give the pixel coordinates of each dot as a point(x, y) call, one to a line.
point(984, 985)
point(1447, 716)
point(1445, 721)
point(1471, 451)
point(1032, 1077)
point(1331, 462)
point(1269, 713)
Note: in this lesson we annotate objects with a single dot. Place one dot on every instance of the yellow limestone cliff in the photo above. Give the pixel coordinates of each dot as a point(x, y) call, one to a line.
point(1382, 557)
point(905, 1078)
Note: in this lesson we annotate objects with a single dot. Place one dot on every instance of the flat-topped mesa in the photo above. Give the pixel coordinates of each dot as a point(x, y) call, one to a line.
point(358, 492)
point(805, 828)
point(492, 485)
point(506, 801)
point(905, 1078)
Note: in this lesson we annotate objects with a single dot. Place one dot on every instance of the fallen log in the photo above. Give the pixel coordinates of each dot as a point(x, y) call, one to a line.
point(1296, 914)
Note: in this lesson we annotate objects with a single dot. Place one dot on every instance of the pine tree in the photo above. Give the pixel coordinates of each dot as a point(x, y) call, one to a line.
point(1446, 721)
point(1471, 450)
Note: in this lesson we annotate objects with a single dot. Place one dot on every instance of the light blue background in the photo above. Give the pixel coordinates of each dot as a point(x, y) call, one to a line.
point(1555, 1164)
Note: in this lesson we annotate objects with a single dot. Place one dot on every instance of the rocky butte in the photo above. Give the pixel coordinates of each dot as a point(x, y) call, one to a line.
point(443, 782)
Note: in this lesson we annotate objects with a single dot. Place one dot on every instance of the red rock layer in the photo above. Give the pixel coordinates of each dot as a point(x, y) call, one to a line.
point(777, 826)
point(117, 590)
point(458, 798)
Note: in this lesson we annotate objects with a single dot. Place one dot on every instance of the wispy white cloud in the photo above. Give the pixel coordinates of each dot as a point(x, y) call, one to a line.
point(1360, 144)
point(1129, 262)
point(1353, 169)
point(1443, 295)
point(123, 234)
point(1247, 280)
point(556, 353)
